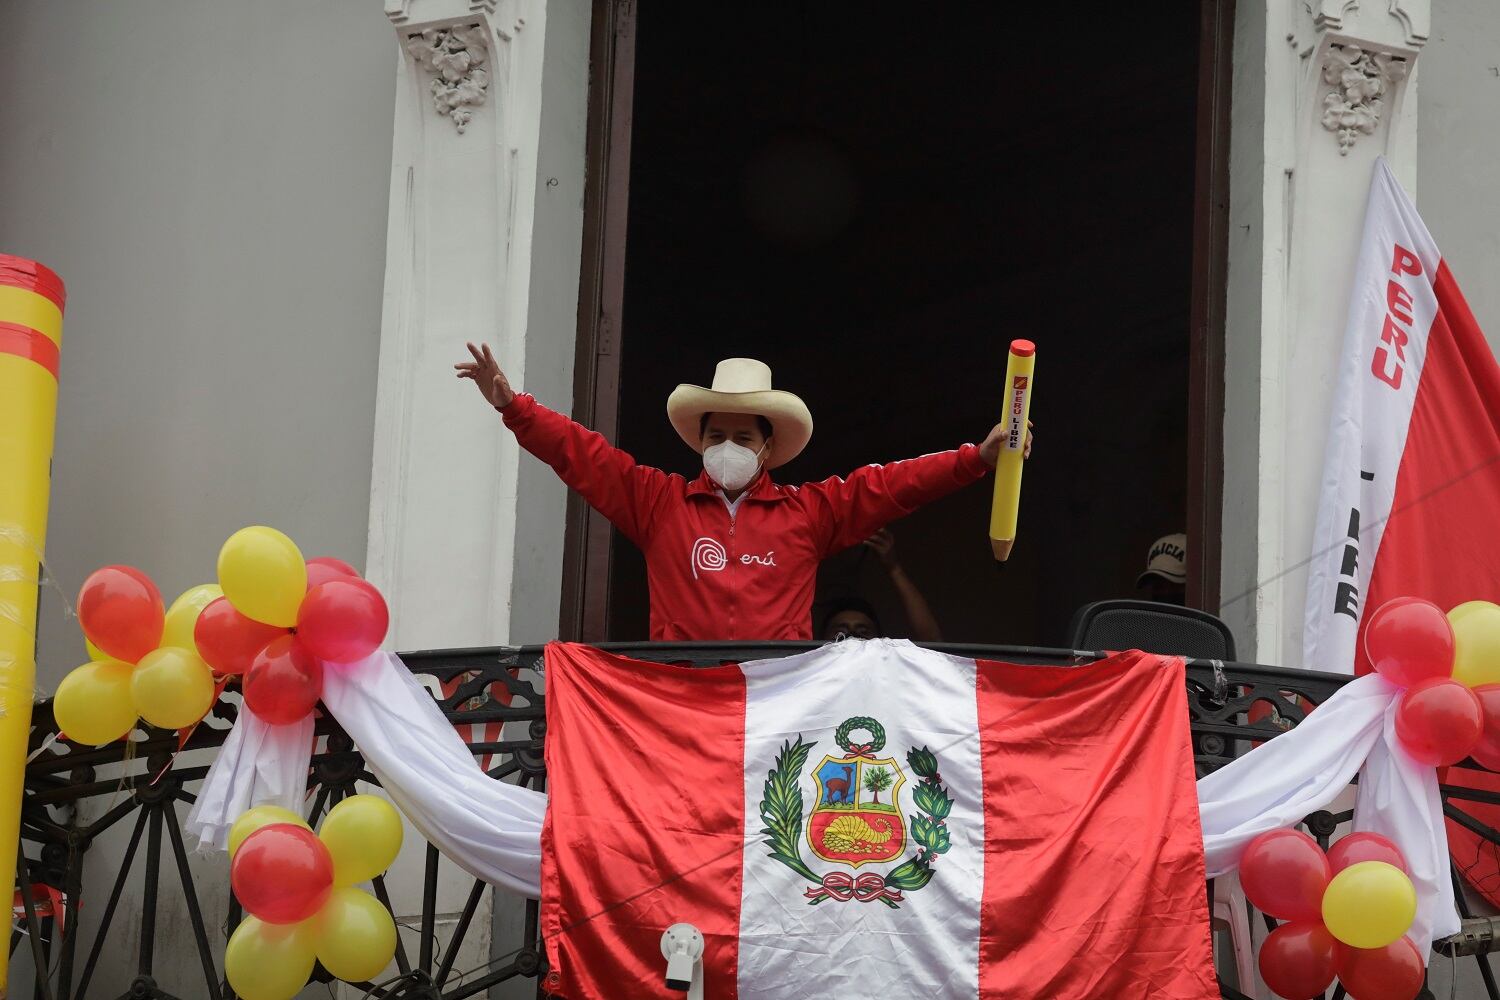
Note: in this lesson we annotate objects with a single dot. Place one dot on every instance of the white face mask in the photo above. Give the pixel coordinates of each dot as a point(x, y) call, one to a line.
point(730, 465)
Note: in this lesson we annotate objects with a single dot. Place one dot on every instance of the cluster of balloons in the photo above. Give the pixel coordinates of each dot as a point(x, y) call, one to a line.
point(299, 889)
point(1449, 665)
point(143, 662)
point(272, 618)
point(282, 617)
point(1347, 915)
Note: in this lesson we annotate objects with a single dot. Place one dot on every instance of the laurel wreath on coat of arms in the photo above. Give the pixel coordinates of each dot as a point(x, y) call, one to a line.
point(781, 811)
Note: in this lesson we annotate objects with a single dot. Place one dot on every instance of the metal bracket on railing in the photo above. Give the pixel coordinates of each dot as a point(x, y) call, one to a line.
point(1220, 696)
point(1476, 936)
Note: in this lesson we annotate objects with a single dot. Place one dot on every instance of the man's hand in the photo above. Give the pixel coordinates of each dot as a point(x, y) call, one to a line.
point(883, 544)
point(493, 385)
point(990, 449)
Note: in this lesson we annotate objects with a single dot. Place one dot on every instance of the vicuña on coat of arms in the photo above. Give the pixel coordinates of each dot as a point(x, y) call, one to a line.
point(857, 817)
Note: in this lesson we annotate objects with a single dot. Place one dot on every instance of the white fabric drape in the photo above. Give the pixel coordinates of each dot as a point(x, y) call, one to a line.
point(1399, 799)
point(492, 829)
point(258, 765)
point(1304, 770)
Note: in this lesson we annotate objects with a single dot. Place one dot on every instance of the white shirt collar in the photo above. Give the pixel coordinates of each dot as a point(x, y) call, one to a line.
point(733, 505)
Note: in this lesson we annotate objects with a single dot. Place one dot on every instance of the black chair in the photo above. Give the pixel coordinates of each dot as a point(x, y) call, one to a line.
point(1155, 628)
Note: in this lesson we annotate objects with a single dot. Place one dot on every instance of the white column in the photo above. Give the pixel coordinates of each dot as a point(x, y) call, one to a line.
point(1321, 88)
point(482, 244)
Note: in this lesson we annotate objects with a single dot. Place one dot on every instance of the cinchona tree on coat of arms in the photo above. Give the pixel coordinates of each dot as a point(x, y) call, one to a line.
point(857, 816)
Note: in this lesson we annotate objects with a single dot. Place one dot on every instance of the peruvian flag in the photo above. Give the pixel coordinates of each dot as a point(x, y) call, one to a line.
point(872, 818)
point(1411, 485)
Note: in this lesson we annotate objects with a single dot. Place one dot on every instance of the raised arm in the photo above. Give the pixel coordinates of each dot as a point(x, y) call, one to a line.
point(870, 498)
point(607, 477)
point(924, 626)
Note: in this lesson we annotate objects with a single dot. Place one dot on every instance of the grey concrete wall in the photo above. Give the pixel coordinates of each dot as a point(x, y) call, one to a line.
point(1458, 165)
point(210, 178)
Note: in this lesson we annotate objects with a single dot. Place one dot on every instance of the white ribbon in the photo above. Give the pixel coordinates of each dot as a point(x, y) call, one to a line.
point(1306, 768)
point(491, 829)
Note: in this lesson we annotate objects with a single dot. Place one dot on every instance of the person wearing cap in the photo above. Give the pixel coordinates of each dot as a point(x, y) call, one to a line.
point(1165, 578)
point(730, 554)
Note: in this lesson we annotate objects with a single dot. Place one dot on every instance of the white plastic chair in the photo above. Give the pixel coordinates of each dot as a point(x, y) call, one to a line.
point(1232, 913)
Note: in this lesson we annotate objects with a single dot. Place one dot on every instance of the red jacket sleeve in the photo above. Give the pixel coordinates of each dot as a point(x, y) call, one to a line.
point(608, 478)
point(851, 510)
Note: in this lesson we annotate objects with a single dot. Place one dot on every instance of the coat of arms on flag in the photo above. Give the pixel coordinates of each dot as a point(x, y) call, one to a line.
point(848, 824)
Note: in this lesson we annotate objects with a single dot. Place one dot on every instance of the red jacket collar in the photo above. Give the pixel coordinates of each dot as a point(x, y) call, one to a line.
point(764, 487)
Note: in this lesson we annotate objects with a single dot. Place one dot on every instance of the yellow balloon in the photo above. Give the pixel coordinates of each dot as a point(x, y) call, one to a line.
point(356, 935)
point(1369, 905)
point(93, 705)
point(182, 616)
point(363, 833)
point(255, 817)
point(95, 653)
point(172, 687)
point(269, 961)
point(263, 575)
point(1476, 643)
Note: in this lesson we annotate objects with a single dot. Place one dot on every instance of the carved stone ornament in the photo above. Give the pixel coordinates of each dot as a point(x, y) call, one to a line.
point(1361, 80)
point(456, 57)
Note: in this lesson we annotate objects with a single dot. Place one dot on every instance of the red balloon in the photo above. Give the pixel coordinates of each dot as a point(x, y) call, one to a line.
point(1394, 972)
point(1409, 640)
point(284, 682)
point(1487, 751)
point(227, 640)
point(1439, 721)
point(282, 873)
point(1298, 960)
point(325, 568)
point(343, 620)
point(121, 612)
point(1284, 873)
point(1357, 847)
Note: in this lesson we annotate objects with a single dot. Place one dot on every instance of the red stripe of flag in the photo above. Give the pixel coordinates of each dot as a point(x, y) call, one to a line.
point(24, 342)
point(636, 842)
point(1093, 845)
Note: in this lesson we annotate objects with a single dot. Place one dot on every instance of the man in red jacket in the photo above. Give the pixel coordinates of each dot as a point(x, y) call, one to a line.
point(730, 554)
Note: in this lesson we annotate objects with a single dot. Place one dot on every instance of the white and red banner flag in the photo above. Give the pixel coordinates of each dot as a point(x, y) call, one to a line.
point(1411, 485)
point(874, 818)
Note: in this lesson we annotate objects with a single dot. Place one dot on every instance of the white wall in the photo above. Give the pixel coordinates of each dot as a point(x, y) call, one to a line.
point(1296, 211)
point(210, 179)
point(483, 243)
point(1459, 156)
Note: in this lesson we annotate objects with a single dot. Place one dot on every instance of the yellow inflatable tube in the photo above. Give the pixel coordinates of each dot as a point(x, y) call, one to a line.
point(31, 307)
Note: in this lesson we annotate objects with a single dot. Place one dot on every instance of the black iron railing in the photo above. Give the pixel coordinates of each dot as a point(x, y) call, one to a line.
point(496, 695)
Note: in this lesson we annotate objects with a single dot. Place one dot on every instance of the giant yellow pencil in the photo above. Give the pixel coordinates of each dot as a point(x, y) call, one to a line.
point(1006, 507)
point(31, 304)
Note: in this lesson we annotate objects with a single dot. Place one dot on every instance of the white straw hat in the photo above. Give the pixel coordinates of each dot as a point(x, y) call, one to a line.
point(742, 385)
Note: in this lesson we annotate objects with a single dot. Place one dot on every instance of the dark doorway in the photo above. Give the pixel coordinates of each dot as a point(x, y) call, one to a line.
point(875, 207)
